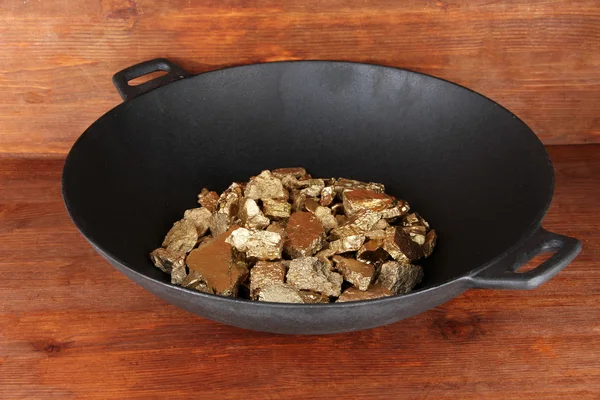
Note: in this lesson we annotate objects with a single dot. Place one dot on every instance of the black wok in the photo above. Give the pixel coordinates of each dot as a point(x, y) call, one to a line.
point(478, 173)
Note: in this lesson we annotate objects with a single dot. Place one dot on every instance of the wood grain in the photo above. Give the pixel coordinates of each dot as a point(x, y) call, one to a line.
point(73, 327)
point(541, 59)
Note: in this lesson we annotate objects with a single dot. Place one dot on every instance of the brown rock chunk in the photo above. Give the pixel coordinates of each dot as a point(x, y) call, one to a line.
point(251, 216)
point(262, 245)
point(230, 201)
point(416, 227)
point(200, 217)
point(265, 273)
point(304, 235)
point(430, 242)
point(358, 224)
point(182, 237)
point(279, 209)
point(347, 244)
point(295, 172)
point(327, 196)
point(219, 223)
point(265, 186)
point(372, 252)
point(208, 200)
point(357, 200)
point(357, 273)
point(313, 297)
point(309, 273)
point(215, 267)
point(354, 294)
point(399, 278)
point(342, 184)
point(399, 245)
point(280, 293)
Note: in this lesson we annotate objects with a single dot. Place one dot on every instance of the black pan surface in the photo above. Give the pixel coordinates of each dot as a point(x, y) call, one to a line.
point(478, 173)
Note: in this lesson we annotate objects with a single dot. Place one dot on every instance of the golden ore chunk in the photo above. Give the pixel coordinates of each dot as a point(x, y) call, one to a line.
point(182, 237)
point(280, 293)
point(277, 209)
point(399, 278)
point(357, 273)
point(354, 294)
point(262, 245)
point(265, 273)
point(310, 273)
point(200, 217)
point(251, 216)
point(357, 200)
point(265, 186)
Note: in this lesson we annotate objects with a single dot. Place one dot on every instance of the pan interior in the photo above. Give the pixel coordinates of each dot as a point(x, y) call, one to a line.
point(477, 173)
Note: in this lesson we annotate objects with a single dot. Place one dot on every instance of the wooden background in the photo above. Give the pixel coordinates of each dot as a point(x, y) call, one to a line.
point(539, 58)
point(72, 327)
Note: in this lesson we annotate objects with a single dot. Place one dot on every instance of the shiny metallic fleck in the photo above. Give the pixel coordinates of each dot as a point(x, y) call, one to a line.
point(182, 237)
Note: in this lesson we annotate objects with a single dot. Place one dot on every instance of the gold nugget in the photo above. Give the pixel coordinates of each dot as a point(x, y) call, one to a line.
point(309, 273)
point(262, 245)
point(200, 217)
point(251, 216)
point(265, 273)
point(357, 200)
point(182, 237)
point(399, 278)
point(357, 273)
point(277, 209)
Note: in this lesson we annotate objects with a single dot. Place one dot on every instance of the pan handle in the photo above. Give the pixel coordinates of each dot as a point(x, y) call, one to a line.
point(121, 79)
point(502, 275)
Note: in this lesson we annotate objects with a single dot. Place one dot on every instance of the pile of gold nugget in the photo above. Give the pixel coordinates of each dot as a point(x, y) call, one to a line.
point(287, 237)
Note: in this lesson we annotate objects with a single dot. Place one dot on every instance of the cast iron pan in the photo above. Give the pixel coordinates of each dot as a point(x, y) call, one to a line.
point(478, 173)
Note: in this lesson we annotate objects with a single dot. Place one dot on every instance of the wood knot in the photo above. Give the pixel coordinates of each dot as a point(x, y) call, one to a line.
point(50, 348)
point(120, 9)
point(460, 327)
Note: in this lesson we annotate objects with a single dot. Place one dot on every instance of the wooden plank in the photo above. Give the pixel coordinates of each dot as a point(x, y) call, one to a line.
point(540, 59)
point(78, 328)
